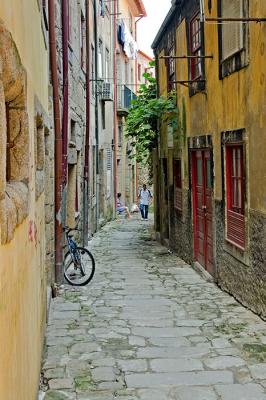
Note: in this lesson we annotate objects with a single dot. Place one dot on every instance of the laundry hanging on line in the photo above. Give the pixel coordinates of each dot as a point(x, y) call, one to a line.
point(102, 8)
point(127, 41)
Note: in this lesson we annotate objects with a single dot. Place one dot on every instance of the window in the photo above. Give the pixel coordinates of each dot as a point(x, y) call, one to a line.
point(235, 195)
point(126, 73)
point(100, 59)
point(103, 114)
point(120, 135)
point(132, 76)
point(139, 72)
point(232, 33)
point(82, 41)
point(108, 172)
point(233, 37)
point(107, 64)
point(195, 48)
point(72, 131)
point(171, 62)
point(177, 185)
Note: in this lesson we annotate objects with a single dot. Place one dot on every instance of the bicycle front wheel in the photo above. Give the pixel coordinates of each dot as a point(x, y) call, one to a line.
point(79, 269)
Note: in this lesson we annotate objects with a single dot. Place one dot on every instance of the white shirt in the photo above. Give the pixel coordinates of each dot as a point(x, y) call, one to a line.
point(145, 197)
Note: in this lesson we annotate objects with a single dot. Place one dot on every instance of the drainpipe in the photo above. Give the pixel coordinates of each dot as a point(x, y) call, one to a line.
point(87, 137)
point(96, 111)
point(115, 105)
point(58, 147)
point(65, 35)
point(65, 38)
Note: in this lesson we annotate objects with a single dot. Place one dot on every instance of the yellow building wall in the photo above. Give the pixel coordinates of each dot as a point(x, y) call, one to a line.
point(235, 102)
point(22, 283)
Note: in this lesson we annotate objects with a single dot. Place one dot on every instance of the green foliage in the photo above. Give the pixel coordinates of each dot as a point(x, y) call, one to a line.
point(145, 113)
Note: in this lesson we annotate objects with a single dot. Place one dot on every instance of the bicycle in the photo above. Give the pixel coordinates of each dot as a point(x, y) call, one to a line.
point(79, 264)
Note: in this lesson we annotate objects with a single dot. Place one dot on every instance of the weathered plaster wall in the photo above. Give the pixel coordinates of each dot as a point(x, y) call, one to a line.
point(235, 102)
point(22, 284)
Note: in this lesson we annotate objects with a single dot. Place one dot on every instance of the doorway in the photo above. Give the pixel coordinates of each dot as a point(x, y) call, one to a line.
point(202, 180)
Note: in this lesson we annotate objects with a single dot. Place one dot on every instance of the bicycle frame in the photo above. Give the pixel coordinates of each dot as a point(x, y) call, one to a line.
point(72, 246)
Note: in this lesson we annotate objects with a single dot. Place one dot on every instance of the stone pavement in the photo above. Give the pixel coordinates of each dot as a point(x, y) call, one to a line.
point(149, 327)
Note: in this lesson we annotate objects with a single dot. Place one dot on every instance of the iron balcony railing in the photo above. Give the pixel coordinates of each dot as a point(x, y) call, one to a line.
point(124, 97)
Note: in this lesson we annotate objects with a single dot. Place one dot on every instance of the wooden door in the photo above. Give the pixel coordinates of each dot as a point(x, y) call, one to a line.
point(202, 208)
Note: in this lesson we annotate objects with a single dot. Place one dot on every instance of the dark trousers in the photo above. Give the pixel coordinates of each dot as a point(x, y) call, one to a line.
point(144, 211)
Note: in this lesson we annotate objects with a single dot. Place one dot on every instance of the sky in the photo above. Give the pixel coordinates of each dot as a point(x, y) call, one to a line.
point(150, 25)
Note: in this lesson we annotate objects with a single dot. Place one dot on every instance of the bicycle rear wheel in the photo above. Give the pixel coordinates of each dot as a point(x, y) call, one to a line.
point(81, 272)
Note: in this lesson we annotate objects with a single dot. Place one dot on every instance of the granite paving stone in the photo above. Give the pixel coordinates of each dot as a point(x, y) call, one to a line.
point(148, 327)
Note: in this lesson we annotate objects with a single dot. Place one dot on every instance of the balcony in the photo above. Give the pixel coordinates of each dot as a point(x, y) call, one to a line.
point(124, 98)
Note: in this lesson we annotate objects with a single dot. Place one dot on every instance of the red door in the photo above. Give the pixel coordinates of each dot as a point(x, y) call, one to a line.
point(202, 208)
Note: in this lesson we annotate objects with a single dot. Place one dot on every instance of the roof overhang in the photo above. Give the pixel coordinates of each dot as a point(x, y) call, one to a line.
point(145, 55)
point(141, 8)
point(169, 16)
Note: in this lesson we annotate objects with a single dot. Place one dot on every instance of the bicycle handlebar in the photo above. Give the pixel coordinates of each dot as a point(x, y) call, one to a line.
point(68, 230)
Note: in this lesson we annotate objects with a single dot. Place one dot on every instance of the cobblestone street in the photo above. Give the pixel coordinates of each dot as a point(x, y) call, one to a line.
point(148, 327)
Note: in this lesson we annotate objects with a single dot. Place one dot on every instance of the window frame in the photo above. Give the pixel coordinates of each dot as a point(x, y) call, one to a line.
point(239, 59)
point(195, 50)
point(171, 62)
point(235, 194)
point(139, 72)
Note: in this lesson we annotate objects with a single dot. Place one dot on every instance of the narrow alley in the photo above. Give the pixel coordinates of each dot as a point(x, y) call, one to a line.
point(148, 327)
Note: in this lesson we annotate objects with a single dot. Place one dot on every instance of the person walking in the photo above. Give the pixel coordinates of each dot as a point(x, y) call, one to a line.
point(144, 200)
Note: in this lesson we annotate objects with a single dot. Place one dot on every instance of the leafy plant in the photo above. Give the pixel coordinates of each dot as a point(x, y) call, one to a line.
point(145, 114)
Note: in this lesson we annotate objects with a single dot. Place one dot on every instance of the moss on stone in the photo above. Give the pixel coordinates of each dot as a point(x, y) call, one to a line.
point(229, 329)
point(73, 325)
point(52, 395)
point(84, 382)
point(255, 351)
point(72, 296)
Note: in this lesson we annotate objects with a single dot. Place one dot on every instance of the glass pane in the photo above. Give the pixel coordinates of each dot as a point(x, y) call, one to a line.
point(239, 162)
point(234, 171)
point(239, 194)
point(234, 199)
point(199, 171)
point(209, 174)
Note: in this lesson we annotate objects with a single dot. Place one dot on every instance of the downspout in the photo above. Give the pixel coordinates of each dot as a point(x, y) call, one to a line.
point(65, 38)
point(96, 112)
point(86, 191)
point(58, 146)
point(65, 34)
point(115, 105)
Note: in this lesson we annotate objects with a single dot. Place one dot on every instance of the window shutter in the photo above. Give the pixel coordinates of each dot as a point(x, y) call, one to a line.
point(232, 32)
point(177, 185)
point(236, 228)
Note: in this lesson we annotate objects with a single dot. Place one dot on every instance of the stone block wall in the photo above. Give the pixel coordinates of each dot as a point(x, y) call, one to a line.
point(243, 275)
point(181, 233)
point(14, 138)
